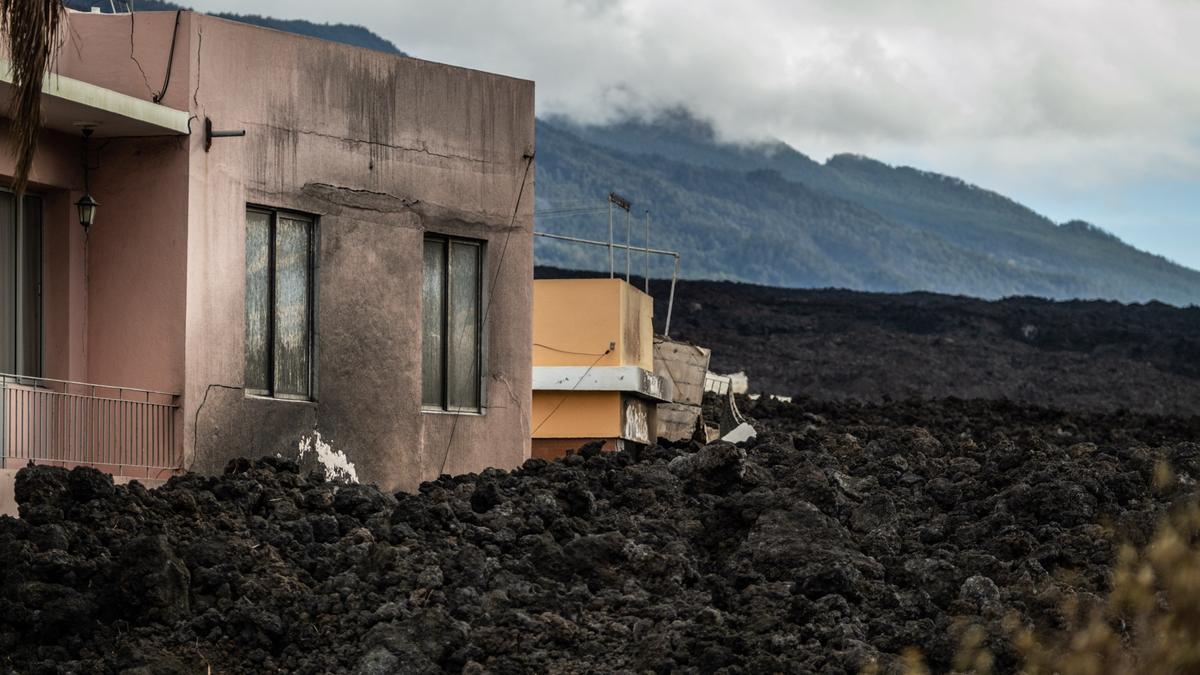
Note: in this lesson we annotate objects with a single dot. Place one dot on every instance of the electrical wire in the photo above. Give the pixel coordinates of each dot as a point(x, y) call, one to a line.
point(580, 209)
point(556, 216)
point(567, 351)
point(170, 60)
point(576, 204)
point(487, 310)
point(573, 388)
point(156, 97)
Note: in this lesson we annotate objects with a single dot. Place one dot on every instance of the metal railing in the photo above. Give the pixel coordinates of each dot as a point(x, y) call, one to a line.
point(115, 429)
point(616, 200)
point(648, 251)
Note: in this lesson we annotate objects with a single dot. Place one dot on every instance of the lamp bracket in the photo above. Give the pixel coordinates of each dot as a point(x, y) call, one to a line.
point(210, 133)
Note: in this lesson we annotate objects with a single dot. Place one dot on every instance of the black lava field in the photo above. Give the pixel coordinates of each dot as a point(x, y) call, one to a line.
point(870, 516)
point(835, 344)
point(842, 535)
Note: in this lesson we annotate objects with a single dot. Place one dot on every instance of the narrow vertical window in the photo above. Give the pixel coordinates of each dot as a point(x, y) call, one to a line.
point(279, 304)
point(8, 283)
point(433, 323)
point(258, 302)
point(292, 337)
point(452, 347)
point(20, 285)
point(463, 327)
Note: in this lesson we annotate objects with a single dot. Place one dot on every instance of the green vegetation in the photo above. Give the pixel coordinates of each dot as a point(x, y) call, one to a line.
point(768, 214)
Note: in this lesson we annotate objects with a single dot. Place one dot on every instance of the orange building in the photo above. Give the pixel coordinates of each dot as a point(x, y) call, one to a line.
point(593, 365)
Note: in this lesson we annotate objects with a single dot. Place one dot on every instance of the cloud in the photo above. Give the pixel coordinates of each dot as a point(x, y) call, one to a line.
point(833, 73)
point(1086, 93)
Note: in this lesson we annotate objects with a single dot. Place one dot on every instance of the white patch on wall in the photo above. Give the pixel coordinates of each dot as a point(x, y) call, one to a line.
point(334, 462)
point(637, 421)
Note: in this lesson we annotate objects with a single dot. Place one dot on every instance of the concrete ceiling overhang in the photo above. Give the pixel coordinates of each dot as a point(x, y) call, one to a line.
point(69, 104)
point(628, 379)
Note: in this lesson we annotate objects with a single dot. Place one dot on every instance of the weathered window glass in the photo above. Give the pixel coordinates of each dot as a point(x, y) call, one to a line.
point(463, 326)
point(452, 300)
point(279, 304)
point(258, 302)
point(20, 285)
point(292, 337)
point(433, 322)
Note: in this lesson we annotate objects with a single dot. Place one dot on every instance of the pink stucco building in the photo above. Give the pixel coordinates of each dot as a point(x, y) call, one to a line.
point(356, 264)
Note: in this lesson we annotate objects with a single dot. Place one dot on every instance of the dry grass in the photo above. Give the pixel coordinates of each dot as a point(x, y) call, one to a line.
point(32, 31)
point(1148, 624)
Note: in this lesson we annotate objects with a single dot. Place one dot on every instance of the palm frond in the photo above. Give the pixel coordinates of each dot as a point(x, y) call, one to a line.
point(32, 30)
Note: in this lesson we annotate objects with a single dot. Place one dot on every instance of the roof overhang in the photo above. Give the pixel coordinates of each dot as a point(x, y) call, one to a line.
point(69, 105)
point(627, 379)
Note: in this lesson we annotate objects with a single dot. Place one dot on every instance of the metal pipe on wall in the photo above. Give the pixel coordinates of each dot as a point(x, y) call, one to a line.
point(647, 279)
point(671, 299)
point(628, 242)
point(580, 240)
point(610, 239)
point(647, 250)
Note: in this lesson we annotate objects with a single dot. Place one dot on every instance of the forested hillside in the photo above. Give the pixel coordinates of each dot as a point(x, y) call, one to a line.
point(768, 214)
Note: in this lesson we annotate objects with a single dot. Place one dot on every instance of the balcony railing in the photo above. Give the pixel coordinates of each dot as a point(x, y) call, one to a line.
point(120, 430)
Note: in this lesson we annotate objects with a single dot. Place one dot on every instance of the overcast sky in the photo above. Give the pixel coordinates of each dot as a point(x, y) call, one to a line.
point(1078, 109)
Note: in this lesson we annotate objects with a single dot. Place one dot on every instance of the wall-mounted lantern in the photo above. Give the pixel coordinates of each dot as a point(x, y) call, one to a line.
point(87, 210)
point(86, 204)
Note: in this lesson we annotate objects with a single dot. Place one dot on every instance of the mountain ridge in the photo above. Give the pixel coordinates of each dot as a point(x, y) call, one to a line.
point(1022, 252)
point(351, 34)
point(764, 212)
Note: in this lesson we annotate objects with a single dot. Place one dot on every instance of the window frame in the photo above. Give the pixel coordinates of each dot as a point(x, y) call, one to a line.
point(481, 297)
point(313, 268)
point(19, 281)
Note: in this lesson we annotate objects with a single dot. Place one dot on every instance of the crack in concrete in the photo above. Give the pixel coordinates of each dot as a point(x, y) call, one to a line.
point(348, 139)
point(385, 202)
point(329, 189)
point(360, 198)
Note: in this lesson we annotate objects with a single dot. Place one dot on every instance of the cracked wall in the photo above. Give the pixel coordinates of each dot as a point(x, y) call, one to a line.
point(382, 149)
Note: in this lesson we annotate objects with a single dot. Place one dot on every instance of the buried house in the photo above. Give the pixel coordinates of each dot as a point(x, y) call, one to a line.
point(292, 237)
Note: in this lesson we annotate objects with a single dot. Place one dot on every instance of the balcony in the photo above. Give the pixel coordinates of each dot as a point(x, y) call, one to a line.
point(119, 430)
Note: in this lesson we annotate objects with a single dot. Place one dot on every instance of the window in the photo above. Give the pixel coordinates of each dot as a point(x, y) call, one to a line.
point(451, 322)
point(280, 303)
point(20, 285)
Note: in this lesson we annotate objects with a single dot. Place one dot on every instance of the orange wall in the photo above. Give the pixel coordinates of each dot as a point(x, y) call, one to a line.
point(576, 414)
point(574, 321)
